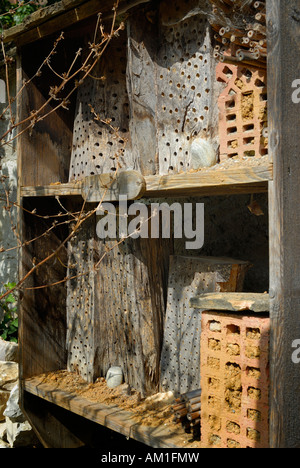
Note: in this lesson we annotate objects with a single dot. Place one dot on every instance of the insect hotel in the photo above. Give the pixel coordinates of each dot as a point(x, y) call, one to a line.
point(189, 103)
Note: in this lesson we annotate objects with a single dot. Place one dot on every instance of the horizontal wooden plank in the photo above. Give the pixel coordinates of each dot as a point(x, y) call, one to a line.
point(57, 17)
point(111, 417)
point(104, 187)
point(211, 182)
point(232, 302)
point(203, 183)
point(52, 190)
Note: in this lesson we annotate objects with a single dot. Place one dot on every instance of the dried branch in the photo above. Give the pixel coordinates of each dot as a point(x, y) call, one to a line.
point(77, 77)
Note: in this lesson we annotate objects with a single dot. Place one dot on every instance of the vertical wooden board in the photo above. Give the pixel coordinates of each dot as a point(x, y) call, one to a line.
point(81, 324)
point(131, 289)
point(170, 82)
point(180, 360)
point(141, 86)
point(45, 149)
point(43, 310)
point(186, 111)
point(97, 148)
point(116, 306)
point(284, 120)
point(158, 90)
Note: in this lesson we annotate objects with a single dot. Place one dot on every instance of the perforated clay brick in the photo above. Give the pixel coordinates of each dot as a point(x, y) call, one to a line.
point(234, 381)
point(242, 112)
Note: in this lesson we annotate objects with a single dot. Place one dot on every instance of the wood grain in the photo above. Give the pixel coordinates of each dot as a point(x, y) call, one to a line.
point(188, 276)
point(231, 302)
point(283, 21)
point(58, 17)
point(44, 149)
point(111, 417)
point(107, 187)
point(216, 182)
point(130, 300)
point(116, 306)
point(42, 311)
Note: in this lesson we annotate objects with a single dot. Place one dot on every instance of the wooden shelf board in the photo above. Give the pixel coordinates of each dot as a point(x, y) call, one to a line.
point(56, 18)
point(216, 181)
point(111, 417)
point(232, 302)
point(242, 180)
point(52, 190)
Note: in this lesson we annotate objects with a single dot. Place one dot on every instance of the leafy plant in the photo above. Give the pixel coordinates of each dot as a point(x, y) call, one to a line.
point(9, 324)
point(15, 13)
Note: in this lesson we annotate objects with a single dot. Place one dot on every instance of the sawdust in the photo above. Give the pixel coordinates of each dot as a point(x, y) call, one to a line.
point(233, 444)
point(236, 162)
point(252, 434)
point(239, 83)
point(247, 106)
point(213, 344)
point(214, 439)
point(233, 427)
point(263, 113)
point(150, 411)
point(233, 349)
point(255, 415)
point(153, 411)
point(252, 352)
point(214, 423)
point(254, 373)
point(233, 392)
point(253, 333)
point(213, 363)
point(254, 393)
point(213, 383)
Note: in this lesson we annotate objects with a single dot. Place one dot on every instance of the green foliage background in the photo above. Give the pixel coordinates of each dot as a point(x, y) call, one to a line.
point(12, 14)
point(9, 325)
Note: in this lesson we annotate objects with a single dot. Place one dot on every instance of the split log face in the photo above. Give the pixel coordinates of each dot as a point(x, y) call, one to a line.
point(158, 89)
point(97, 148)
point(116, 312)
point(131, 307)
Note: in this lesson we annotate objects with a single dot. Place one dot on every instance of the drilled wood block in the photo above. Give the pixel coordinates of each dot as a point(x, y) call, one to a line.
point(116, 306)
point(102, 106)
point(185, 99)
point(242, 112)
point(180, 360)
point(234, 380)
point(157, 89)
point(82, 326)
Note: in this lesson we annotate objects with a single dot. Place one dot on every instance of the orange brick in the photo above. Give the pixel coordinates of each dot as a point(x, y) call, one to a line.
point(242, 111)
point(234, 380)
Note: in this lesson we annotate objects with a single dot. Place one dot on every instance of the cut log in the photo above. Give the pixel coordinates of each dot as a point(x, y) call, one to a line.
point(109, 187)
point(116, 306)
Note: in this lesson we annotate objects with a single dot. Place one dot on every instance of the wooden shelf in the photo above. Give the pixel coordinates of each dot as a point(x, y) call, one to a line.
point(216, 181)
point(232, 302)
point(55, 18)
point(241, 180)
point(52, 190)
point(111, 417)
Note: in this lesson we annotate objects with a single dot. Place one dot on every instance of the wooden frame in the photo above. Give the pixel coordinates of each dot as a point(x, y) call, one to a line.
point(205, 183)
point(280, 179)
point(283, 69)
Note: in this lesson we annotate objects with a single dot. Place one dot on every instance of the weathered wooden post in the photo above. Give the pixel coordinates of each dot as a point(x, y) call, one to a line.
point(283, 23)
